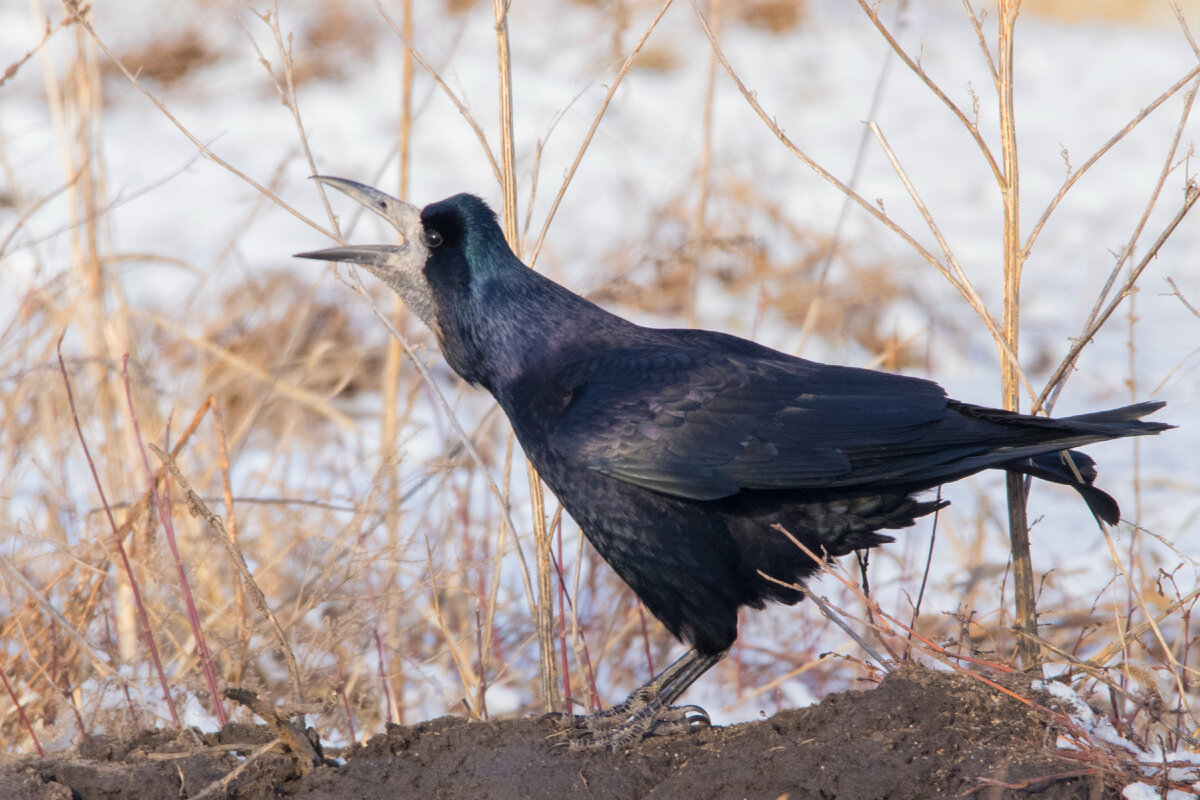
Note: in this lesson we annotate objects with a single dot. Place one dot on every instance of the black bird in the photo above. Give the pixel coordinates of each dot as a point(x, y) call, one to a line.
point(676, 451)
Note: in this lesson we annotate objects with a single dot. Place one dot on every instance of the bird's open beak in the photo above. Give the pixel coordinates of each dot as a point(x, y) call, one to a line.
point(399, 266)
point(404, 217)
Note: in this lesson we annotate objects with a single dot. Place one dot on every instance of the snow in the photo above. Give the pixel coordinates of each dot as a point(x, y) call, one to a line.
point(1185, 763)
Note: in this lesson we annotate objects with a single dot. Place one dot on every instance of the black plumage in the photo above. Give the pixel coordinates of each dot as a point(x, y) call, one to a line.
point(677, 451)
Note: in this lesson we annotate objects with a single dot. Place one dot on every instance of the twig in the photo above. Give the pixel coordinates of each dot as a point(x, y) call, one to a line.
point(198, 508)
point(928, 562)
point(1121, 134)
point(587, 140)
point(1176, 293)
point(383, 678)
point(813, 313)
point(822, 604)
point(97, 656)
point(960, 279)
point(77, 12)
point(828, 612)
point(971, 127)
point(21, 712)
point(133, 585)
point(751, 98)
point(306, 752)
point(163, 504)
point(220, 788)
point(15, 67)
point(1051, 392)
point(1191, 195)
point(458, 104)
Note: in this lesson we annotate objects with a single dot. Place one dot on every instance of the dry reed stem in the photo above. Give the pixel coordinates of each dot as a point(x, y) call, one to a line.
point(544, 618)
point(1024, 591)
point(391, 422)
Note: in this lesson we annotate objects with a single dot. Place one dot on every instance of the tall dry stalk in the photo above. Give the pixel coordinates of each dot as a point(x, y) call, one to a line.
point(390, 428)
point(544, 621)
point(1024, 590)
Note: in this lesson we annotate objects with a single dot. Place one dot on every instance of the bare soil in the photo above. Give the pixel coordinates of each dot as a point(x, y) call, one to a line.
point(919, 734)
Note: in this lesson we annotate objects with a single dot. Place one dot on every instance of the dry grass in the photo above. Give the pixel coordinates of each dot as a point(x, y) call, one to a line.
point(392, 573)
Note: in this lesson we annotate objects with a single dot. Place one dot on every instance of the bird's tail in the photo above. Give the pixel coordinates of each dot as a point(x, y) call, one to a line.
point(1078, 470)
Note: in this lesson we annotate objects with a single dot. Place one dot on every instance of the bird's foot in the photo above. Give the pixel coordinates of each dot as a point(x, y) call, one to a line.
point(627, 723)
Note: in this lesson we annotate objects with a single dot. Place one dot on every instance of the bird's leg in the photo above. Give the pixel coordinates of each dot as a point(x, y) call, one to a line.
point(648, 709)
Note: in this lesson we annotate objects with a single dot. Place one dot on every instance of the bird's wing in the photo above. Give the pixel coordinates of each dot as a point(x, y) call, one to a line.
point(702, 424)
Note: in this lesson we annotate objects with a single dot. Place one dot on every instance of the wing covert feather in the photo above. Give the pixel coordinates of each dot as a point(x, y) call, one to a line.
point(705, 425)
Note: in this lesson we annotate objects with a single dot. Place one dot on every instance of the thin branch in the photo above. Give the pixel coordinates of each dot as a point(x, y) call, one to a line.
point(957, 277)
point(971, 127)
point(433, 73)
point(147, 634)
point(977, 24)
point(587, 140)
point(163, 504)
point(1176, 293)
point(1121, 134)
point(198, 507)
point(1191, 195)
point(203, 148)
point(865, 204)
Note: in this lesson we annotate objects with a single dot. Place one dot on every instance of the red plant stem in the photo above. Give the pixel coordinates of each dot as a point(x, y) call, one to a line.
point(593, 700)
point(21, 714)
point(387, 692)
point(346, 704)
point(163, 504)
point(137, 593)
point(133, 715)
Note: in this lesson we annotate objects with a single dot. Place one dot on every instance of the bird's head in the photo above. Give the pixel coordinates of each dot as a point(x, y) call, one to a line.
point(399, 266)
point(450, 249)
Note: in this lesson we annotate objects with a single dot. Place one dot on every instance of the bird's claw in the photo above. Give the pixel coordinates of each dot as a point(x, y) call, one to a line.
point(619, 727)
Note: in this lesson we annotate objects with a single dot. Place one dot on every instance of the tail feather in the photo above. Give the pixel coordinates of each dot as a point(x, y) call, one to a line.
point(1054, 467)
point(1123, 421)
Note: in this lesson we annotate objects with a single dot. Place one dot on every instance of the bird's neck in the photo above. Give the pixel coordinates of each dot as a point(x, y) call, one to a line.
point(512, 324)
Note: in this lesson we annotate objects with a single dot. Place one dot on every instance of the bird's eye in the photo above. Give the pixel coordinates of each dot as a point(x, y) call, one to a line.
point(432, 238)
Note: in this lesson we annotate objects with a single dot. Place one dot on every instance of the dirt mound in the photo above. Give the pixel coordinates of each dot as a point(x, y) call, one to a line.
point(919, 734)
